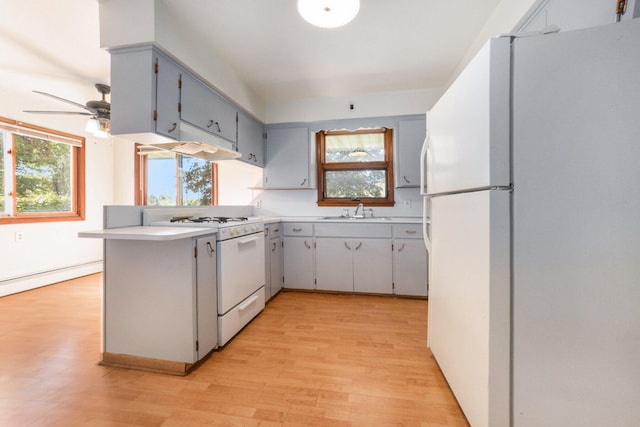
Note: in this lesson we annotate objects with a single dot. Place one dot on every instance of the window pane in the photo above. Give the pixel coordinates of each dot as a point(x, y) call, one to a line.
point(43, 175)
point(355, 184)
point(196, 181)
point(161, 179)
point(363, 147)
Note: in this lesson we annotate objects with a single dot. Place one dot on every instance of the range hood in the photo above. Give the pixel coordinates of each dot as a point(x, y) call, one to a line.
point(197, 143)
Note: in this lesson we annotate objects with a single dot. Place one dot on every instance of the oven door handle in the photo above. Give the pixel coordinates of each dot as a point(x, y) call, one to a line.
point(249, 240)
point(247, 303)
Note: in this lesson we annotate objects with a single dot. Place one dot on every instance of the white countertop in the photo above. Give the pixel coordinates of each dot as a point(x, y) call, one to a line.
point(367, 220)
point(147, 233)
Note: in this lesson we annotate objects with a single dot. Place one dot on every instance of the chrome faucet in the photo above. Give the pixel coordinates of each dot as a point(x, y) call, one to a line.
point(360, 206)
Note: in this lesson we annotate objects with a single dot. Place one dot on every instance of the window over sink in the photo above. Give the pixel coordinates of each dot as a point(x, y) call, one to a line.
point(355, 167)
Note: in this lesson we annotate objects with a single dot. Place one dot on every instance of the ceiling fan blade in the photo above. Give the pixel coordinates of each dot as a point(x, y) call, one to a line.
point(59, 112)
point(63, 100)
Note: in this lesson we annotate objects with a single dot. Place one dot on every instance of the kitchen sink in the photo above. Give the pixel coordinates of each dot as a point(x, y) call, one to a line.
point(355, 218)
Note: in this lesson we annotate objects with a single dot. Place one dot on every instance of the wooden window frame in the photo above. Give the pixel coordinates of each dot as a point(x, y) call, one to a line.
point(140, 181)
point(386, 164)
point(77, 212)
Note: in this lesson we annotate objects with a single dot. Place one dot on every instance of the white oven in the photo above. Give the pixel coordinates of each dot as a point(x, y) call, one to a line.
point(240, 276)
point(240, 264)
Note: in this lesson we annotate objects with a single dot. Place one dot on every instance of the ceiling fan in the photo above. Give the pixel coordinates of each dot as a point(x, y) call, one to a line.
point(99, 111)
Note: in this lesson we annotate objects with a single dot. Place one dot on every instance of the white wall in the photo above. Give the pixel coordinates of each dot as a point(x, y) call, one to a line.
point(34, 39)
point(51, 251)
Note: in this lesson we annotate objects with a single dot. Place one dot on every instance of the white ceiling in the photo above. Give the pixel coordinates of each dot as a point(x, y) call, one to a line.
point(390, 46)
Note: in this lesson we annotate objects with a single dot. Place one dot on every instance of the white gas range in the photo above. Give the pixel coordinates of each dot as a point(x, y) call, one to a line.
point(240, 262)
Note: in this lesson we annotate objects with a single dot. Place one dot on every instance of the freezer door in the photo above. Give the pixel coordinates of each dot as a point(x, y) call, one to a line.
point(577, 228)
point(468, 127)
point(469, 301)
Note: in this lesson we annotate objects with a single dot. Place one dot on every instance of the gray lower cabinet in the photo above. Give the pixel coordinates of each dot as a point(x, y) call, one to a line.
point(274, 276)
point(362, 257)
point(410, 261)
point(160, 299)
point(353, 265)
point(299, 255)
point(335, 264)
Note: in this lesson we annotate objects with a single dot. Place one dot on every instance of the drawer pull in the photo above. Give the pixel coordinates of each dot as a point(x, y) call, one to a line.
point(410, 231)
point(210, 249)
point(297, 230)
point(248, 303)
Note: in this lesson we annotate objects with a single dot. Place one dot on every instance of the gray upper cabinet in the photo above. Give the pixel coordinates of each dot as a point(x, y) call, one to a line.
point(411, 133)
point(250, 139)
point(167, 114)
point(288, 164)
point(137, 108)
point(204, 108)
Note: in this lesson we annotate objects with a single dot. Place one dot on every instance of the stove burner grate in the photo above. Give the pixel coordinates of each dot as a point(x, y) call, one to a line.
point(218, 219)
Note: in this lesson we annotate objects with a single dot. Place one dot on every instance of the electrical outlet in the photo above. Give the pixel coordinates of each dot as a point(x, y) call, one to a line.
point(258, 204)
point(18, 236)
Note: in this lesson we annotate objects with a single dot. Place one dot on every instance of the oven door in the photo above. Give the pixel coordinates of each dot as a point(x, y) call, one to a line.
point(240, 269)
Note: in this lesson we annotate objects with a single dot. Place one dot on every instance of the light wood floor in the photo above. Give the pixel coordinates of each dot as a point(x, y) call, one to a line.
point(306, 360)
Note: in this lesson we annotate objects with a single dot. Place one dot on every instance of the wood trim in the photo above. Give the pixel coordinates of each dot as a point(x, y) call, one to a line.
point(145, 364)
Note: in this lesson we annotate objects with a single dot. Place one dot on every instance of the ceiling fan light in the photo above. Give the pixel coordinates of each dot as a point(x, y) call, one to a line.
point(328, 13)
point(98, 126)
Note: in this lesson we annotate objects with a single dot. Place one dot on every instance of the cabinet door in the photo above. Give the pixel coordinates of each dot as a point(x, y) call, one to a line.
point(207, 302)
point(204, 108)
point(288, 158)
point(409, 267)
point(334, 264)
point(298, 268)
point(275, 259)
point(167, 97)
point(411, 135)
point(250, 139)
point(372, 270)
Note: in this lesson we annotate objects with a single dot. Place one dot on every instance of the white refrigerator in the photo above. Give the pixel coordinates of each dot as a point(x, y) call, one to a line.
point(533, 182)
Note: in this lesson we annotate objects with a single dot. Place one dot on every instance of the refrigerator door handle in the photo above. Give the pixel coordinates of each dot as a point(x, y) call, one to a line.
point(423, 160)
point(425, 236)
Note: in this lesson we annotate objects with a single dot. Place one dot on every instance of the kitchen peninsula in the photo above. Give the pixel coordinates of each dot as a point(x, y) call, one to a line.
point(169, 291)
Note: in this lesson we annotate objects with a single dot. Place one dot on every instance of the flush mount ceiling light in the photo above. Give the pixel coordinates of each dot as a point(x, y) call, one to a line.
point(328, 13)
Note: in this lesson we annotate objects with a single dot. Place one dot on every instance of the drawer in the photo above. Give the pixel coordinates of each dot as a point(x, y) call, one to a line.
point(297, 229)
point(407, 231)
point(236, 319)
point(273, 230)
point(333, 229)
